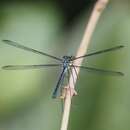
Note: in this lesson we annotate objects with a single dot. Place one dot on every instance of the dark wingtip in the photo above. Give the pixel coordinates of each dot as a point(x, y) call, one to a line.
point(5, 67)
point(121, 46)
point(8, 67)
point(5, 40)
point(121, 74)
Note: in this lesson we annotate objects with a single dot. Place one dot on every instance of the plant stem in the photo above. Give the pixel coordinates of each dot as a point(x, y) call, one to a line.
point(70, 91)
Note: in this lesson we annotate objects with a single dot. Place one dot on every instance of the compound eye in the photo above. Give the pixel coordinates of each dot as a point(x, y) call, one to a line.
point(72, 57)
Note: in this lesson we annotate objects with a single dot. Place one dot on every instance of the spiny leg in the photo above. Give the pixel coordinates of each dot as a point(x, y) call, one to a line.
point(72, 75)
point(68, 77)
point(76, 73)
point(74, 91)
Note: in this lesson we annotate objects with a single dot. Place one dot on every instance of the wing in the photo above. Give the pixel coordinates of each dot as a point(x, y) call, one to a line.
point(17, 45)
point(100, 52)
point(101, 71)
point(23, 67)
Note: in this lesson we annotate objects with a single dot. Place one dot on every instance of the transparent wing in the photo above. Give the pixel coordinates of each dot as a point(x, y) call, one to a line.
point(22, 67)
point(17, 45)
point(100, 52)
point(101, 71)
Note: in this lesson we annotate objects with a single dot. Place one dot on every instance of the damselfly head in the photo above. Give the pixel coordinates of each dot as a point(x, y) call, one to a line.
point(68, 58)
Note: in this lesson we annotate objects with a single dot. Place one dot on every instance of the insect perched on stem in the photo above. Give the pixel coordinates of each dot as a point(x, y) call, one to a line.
point(66, 62)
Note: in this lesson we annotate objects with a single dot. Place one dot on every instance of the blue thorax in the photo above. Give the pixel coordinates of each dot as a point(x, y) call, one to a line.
point(67, 61)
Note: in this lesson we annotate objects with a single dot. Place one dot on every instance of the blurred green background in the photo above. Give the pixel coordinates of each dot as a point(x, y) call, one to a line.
point(57, 27)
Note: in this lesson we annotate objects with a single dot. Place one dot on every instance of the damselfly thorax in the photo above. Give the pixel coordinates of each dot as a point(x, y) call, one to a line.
point(67, 61)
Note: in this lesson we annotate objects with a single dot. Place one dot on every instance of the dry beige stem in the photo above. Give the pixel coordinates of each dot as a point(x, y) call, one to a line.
point(70, 91)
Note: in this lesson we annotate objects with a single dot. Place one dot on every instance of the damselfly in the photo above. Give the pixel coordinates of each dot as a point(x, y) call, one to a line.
point(66, 62)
